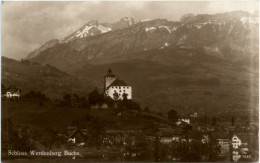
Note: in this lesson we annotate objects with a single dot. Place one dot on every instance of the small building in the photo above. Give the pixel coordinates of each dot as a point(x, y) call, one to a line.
point(244, 150)
point(205, 139)
point(78, 137)
point(115, 88)
point(236, 142)
point(12, 92)
point(119, 137)
point(168, 135)
point(224, 144)
point(194, 115)
point(182, 120)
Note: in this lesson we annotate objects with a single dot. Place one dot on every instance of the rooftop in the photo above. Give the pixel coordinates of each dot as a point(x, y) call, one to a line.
point(118, 82)
point(110, 73)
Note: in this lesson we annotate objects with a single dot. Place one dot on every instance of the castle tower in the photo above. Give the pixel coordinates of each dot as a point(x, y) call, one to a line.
point(108, 79)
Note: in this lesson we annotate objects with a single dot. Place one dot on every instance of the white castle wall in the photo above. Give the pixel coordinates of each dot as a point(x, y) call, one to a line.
point(120, 90)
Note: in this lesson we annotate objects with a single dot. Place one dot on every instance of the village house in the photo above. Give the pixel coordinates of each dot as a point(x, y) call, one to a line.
point(194, 115)
point(236, 142)
point(77, 136)
point(224, 146)
point(119, 137)
point(205, 139)
point(12, 92)
point(115, 88)
point(236, 155)
point(182, 120)
point(241, 154)
point(168, 135)
point(244, 149)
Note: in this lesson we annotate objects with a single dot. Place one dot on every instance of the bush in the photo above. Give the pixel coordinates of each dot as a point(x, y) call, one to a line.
point(172, 115)
point(109, 101)
point(36, 95)
point(131, 105)
point(95, 98)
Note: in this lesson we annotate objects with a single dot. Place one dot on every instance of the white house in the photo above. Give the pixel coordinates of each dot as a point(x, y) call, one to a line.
point(181, 120)
point(236, 142)
point(12, 92)
point(115, 88)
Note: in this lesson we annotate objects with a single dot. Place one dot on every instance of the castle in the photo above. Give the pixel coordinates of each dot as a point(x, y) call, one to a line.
point(115, 88)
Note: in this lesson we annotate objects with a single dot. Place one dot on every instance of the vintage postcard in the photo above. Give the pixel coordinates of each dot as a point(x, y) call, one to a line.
point(130, 81)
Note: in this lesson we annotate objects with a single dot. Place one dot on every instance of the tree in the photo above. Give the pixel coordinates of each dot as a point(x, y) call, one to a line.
point(205, 119)
point(146, 109)
point(156, 149)
point(125, 96)
point(75, 101)
point(115, 96)
point(67, 99)
point(84, 103)
point(96, 130)
point(214, 121)
point(109, 101)
point(172, 115)
point(94, 97)
point(233, 120)
point(213, 148)
point(131, 105)
point(36, 95)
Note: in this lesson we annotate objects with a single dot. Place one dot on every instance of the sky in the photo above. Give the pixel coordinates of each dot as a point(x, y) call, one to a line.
point(28, 25)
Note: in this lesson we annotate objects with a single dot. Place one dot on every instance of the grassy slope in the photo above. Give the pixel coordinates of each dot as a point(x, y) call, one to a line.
point(162, 79)
point(49, 80)
point(28, 113)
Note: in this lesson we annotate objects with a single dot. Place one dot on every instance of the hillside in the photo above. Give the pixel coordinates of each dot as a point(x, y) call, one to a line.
point(205, 63)
point(163, 79)
point(31, 114)
point(30, 76)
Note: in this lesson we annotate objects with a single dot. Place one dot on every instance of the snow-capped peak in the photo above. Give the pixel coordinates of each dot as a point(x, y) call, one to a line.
point(92, 28)
point(166, 27)
point(129, 20)
point(249, 20)
point(149, 28)
point(166, 44)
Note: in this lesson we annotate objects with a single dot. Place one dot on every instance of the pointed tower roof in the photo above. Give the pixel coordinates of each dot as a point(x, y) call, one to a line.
point(110, 73)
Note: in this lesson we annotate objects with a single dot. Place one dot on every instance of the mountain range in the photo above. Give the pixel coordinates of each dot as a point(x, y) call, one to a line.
point(201, 63)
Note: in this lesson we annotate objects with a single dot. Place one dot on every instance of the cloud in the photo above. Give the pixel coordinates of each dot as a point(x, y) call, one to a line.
point(27, 25)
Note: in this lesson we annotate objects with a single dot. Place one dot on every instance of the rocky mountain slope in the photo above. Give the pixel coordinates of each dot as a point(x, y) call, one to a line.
point(230, 35)
point(204, 63)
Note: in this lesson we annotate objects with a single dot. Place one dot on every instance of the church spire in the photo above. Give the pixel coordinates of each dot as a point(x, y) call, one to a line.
point(110, 73)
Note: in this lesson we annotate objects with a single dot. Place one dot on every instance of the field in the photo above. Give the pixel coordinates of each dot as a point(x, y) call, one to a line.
point(32, 115)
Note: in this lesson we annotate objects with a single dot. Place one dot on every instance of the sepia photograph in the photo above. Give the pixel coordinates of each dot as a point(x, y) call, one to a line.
point(130, 81)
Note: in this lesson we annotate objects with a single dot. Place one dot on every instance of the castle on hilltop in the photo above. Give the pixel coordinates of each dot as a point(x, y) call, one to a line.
point(115, 88)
